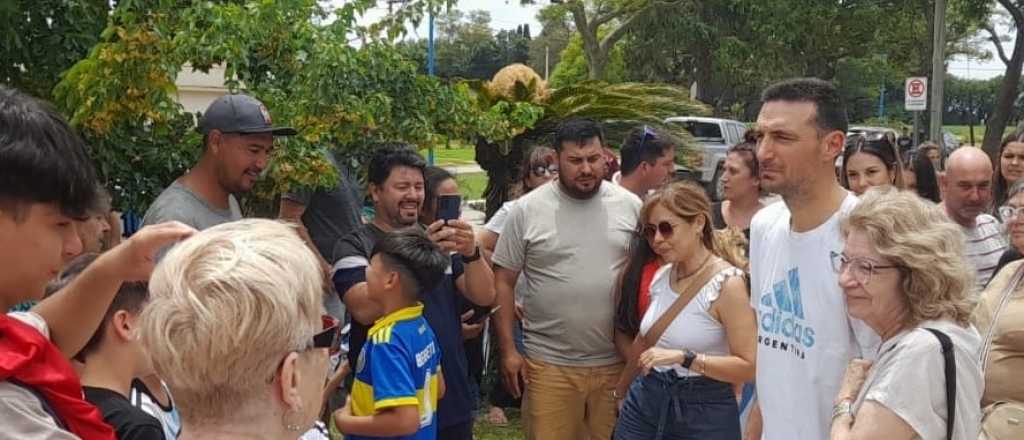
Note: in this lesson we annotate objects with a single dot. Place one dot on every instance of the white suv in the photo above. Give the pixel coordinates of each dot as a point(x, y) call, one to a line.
point(715, 137)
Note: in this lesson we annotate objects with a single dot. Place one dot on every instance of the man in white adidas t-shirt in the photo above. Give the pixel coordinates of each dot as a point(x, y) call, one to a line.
point(805, 337)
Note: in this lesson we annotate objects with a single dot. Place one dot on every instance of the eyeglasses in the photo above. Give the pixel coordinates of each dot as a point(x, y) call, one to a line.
point(860, 268)
point(1008, 212)
point(541, 170)
point(329, 337)
point(664, 228)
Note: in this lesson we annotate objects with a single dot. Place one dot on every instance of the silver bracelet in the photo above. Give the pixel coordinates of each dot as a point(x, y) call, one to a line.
point(844, 407)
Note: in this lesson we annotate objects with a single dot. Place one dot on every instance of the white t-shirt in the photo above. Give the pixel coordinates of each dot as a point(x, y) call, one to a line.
point(805, 339)
point(910, 380)
point(497, 221)
point(694, 328)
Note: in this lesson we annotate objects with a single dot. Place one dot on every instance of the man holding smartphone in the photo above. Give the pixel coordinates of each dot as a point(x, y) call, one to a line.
point(396, 185)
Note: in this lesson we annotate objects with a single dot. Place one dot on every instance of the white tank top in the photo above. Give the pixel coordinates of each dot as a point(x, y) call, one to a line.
point(694, 328)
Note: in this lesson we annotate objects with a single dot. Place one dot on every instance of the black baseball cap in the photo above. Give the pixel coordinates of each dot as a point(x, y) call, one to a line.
point(240, 114)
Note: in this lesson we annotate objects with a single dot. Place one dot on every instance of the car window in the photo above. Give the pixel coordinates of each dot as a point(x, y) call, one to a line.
point(702, 130)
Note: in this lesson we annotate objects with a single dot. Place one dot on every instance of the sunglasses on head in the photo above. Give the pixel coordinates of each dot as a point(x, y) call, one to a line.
point(664, 228)
point(329, 337)
point(648, 134)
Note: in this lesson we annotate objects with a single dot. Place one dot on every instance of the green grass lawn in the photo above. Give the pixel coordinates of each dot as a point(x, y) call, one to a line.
point(457, 155)
point(963, 132)
point(472, 185)
point(486, 431)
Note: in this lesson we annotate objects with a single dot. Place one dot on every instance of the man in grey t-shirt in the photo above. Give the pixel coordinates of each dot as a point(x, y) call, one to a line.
point(568, 239)
point(238, 137)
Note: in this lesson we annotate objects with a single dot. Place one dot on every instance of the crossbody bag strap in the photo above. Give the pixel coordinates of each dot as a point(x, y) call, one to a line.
point(950, 370)
point(986, 345)
point(700, 279)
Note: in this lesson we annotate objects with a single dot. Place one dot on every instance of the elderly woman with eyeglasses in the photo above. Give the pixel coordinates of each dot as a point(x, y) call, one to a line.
point(903, 273)
point(236, 328)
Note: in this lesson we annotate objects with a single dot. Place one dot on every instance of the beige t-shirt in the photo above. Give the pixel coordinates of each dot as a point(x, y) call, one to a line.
point(1006, 356)
point(569, 252)
point(909, 378)
point(21, 412)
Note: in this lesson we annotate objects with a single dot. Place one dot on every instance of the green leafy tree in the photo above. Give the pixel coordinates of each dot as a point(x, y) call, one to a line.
point(1009, 95)
point(121, 96)
point(573, 68)
point(39, 39)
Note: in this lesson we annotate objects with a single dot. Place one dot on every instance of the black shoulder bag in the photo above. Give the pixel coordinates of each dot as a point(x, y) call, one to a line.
point(950, 368)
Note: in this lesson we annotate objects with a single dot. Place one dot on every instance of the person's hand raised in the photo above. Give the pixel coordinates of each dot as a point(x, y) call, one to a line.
point(136, 256)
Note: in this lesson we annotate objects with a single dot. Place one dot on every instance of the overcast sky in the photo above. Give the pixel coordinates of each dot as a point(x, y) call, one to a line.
point(507, 14)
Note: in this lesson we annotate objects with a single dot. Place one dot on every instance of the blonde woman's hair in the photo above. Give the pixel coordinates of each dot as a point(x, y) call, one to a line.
point(227, 305)
point(689, 202)
point(917, 235)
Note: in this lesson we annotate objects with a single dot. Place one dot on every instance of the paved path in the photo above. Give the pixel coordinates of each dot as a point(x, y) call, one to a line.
point(463, 169)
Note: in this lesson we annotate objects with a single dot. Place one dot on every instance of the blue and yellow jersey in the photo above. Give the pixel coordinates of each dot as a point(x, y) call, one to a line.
point(399, 365)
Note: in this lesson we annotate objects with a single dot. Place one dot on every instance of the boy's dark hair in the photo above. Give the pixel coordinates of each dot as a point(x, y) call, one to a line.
point(831, 111)
point(643, 144)
point(42, 160)
point(418, 261)
point(388, 156)
point(577, 130)
point(130, 297)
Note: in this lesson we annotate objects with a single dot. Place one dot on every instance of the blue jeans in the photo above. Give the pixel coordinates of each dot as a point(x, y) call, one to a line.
point(663, 406)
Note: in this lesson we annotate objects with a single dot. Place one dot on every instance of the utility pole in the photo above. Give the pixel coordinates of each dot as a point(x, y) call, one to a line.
point(547, 59)
point(938, 73)
point(430, 71)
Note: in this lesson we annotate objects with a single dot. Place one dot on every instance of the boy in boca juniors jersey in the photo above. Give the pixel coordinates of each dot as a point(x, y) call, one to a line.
point(398, 377)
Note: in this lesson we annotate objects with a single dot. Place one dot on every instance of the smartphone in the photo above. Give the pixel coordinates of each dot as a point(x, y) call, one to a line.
point(478, 317)
point(448, 207)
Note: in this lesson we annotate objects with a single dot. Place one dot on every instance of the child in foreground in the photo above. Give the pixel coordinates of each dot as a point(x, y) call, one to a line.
point(398, 377)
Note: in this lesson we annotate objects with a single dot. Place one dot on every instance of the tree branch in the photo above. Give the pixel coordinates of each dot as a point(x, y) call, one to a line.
point(619, 32)
point(997, 42)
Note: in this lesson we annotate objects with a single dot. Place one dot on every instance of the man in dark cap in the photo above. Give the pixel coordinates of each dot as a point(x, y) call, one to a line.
point(238, 137)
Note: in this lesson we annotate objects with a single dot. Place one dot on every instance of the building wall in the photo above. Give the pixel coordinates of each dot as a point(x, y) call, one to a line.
point(196, 90)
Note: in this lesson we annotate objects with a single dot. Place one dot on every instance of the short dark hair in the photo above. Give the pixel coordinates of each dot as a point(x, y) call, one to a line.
point(388, 156)
point(419, 262)
point(830, 109)
point(42, 160)
point(577, 130)
point(130, 297)
point(643, 144)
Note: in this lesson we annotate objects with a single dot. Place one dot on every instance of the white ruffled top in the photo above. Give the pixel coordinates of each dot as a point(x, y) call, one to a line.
point(694, 328)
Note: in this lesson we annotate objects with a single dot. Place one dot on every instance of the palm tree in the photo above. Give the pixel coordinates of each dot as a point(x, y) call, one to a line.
point(619, 107)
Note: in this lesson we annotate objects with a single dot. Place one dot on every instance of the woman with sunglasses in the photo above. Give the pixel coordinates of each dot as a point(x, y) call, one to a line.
point(903, 273)
point(541, 167)
point(235, 327)
point(684, 387)
point(870, 162)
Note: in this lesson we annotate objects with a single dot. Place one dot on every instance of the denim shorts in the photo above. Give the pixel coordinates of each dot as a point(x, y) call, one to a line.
point(664, 406)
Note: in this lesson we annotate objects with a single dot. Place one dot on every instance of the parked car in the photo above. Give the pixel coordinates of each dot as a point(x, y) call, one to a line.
point(715, 136)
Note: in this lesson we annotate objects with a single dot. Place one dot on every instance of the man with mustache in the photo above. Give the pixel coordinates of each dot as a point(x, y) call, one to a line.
point(568, 239)
point(967, 185)
point(396, 186)
point(238, 138)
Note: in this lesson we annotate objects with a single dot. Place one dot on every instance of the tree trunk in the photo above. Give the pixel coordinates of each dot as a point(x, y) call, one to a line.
point(598, 63)
point(1003, 109)
point(501, 172)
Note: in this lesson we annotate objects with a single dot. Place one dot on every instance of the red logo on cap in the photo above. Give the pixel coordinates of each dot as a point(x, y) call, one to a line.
point(266, 114)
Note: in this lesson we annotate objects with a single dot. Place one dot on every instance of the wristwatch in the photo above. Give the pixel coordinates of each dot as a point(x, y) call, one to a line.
point(476, 256)
point(688, 359)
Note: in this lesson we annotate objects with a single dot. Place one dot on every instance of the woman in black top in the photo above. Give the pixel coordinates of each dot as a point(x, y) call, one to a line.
point(741, 188)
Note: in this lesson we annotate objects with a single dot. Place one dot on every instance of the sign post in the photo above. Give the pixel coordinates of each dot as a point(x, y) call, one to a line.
point(915, 100)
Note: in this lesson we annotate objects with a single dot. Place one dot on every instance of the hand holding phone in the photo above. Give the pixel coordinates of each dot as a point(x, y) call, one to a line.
point(449, 207)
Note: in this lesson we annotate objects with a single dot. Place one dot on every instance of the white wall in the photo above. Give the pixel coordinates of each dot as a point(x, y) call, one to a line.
point(196, 90)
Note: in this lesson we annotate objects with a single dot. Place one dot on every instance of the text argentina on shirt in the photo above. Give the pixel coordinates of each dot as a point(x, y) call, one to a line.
point(781, 317)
